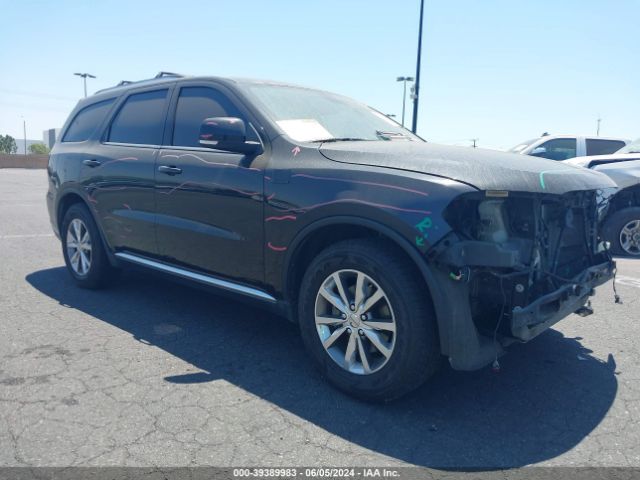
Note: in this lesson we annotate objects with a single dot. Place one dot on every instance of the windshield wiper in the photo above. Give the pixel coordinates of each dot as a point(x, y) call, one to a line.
point(340, 139)
point(392, 135)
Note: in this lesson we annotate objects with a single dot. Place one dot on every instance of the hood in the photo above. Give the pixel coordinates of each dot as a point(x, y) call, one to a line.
point(483, 169)
point(625, 174)
point(594, 160)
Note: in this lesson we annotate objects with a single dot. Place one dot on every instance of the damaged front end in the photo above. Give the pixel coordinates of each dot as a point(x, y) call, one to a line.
point(520, 262)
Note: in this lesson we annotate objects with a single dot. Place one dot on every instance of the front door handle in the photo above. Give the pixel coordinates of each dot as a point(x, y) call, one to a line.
point(169, 170)
point(91, 163)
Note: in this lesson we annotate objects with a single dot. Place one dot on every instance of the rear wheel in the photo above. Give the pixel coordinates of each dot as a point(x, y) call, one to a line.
point(366, 320)
point(83, 251)
point(623, 231)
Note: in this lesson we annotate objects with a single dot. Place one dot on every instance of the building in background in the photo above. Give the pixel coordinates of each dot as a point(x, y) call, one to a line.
point(50, 136)
point(20, 145)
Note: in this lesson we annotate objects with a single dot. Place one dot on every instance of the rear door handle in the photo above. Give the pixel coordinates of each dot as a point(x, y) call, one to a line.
point(91, 163)
point(169, 170)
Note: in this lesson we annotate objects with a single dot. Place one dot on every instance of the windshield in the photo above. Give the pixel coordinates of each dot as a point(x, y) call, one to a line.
point(521, 146)
point(633, 147)
point(307, 115)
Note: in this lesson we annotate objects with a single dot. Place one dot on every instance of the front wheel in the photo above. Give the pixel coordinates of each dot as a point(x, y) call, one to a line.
point(367, 321)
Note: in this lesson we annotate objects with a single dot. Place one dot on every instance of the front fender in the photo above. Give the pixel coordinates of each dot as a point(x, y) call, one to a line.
point(443, 306)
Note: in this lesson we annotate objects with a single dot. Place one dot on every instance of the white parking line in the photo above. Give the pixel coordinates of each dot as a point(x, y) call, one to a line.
point(629, 281)
point(32, 235)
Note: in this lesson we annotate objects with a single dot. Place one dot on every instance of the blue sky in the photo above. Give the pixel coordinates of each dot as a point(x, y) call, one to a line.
point(501, 71)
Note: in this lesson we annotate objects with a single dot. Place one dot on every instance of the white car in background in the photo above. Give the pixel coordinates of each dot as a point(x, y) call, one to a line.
point(629, 152)
point(565, 147)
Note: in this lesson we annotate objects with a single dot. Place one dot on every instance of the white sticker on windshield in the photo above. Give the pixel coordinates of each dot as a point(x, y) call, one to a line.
point(304, 129)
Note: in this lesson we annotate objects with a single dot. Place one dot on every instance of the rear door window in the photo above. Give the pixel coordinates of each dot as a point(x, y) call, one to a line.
point(86, 121)
point(597, 146)
point(556, 149)
point(140, 120)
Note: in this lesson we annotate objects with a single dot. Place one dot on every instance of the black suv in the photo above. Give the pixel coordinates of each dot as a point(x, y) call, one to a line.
point(387, 251)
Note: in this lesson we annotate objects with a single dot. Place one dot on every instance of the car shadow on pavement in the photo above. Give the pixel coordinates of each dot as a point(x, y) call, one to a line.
point(549, 395)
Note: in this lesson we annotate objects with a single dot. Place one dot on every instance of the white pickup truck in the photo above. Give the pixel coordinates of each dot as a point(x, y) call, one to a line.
point(564, 147)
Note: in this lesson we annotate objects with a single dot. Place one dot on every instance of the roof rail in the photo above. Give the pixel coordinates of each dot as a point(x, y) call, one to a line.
point(167, 74)
point(129, 82)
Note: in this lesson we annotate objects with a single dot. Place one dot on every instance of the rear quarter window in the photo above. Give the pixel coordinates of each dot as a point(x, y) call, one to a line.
point(86, 121)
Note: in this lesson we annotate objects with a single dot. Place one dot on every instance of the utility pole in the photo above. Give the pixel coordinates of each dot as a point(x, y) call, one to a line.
point(474, 140)
point(404, 93)
point(24, 131)
point(84, 78)
point(598, 129)
point(416, 86)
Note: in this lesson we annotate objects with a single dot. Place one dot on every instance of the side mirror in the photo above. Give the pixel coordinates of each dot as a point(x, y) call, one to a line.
point(228, 134)
point(538, 151)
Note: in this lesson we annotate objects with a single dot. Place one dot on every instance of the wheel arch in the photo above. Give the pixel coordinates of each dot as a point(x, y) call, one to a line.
point(313, 238)
point(70, 198)
point(627, 197)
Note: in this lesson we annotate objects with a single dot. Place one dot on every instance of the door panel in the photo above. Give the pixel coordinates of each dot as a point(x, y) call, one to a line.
point(120, 171)
point(209, 217)
point(121, 191)
point(209, 202)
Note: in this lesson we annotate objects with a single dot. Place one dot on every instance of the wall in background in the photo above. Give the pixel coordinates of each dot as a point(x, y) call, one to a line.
point(23, 161)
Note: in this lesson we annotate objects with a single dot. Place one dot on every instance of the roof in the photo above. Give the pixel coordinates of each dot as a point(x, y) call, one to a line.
point(168, 77)
point(160, 78)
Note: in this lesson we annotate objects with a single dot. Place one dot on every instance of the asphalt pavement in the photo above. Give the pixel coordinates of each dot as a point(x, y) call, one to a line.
point(153, 373)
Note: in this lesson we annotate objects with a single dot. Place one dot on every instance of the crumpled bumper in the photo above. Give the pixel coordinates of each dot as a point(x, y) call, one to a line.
point(529, 321)
point(467, 349)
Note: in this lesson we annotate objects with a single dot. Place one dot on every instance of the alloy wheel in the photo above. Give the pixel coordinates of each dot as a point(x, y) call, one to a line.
point(355, 322)
point(78, 245)
point(630, 237)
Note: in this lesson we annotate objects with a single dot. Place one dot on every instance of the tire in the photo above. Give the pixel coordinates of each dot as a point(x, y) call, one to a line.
point(97, 272)
point(622, 243)
point(414, 345)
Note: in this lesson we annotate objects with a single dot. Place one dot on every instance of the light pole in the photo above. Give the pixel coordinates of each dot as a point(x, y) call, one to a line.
point(24, 131)
point(84, 77)
point(404, 92)
point(416, 86)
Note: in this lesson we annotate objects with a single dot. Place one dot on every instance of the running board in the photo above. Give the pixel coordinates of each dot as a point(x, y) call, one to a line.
point(197, 277)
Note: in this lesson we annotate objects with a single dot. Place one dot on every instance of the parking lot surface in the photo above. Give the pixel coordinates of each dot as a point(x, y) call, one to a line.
point(153, 373)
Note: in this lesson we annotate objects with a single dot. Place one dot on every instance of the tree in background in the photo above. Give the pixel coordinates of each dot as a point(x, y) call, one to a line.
point(8, 144)
point(38, 148)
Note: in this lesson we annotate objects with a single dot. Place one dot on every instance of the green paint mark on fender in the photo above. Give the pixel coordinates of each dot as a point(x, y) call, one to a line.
point(424, 224)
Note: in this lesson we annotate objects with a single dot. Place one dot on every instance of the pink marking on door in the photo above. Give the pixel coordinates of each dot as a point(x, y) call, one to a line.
point(276, 249)
point(284, 217)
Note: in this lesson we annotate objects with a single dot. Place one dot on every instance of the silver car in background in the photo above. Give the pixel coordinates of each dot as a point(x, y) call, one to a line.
point(622, 227)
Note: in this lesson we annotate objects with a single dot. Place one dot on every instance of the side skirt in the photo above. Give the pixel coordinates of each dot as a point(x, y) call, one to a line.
point(202, 278)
